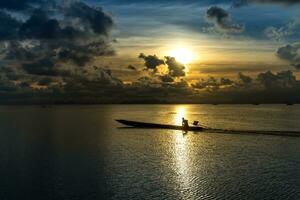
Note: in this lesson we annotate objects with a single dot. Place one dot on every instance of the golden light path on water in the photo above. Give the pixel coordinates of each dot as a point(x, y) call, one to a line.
point(181, 150)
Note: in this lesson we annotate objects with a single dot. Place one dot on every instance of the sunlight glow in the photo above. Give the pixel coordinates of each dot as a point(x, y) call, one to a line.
point(180, 113)
point(182, 55)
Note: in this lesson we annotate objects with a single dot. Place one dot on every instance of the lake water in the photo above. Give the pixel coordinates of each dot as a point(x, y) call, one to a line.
point(78, 152)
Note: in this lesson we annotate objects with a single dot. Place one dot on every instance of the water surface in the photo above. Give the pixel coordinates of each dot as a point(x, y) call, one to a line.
point(78, 152)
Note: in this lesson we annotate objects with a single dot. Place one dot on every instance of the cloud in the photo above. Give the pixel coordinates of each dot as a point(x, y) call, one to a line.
point(39, 26)
point(283, 79)
point(166, 78)
point(212, 83)
point(245, 80)
point(9, 26)
point(151, 61)
point(226, 81)
point(9, 73)
point(290, 53)
point(48, 48)
point(265, 80)
point(98, 85)
point(91, 18)
point(43, 67)
point(297, 66)
point(79, 21)
point(82, 53)
point(53, 36)
point(222, 20)
point(266, 87)
point(279, 33)
point(176, 69)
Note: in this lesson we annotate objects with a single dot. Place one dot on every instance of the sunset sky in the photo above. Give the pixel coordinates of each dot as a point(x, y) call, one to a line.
point(112, 49)
point(159, 27)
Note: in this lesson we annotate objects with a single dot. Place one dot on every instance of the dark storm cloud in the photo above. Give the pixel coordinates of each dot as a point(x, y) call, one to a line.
point(80, 54)
point(176, 69)
point(16, 51)
point(72, 33)
point(9, 26)
point(92, 18)
point(151, 61)
point(290, 53)
point(41, 67)
point(93, 79)
point(51, 44)
point(90, 21)
point(222, 20)
point(9, 73)
point(40, 26)
point(69, 54)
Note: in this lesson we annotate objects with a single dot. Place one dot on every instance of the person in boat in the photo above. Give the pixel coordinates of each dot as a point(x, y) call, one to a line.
point(185, 123)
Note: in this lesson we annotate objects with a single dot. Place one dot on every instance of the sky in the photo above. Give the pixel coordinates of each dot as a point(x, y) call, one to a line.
point(149, 51)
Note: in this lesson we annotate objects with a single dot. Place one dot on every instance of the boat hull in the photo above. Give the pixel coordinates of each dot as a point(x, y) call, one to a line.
point(157, 126)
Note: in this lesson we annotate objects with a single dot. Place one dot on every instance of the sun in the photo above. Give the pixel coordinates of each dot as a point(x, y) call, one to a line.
point(182, 55)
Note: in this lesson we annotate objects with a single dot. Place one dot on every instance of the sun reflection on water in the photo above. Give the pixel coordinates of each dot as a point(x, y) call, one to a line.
point(180, 113)
point(181, 154)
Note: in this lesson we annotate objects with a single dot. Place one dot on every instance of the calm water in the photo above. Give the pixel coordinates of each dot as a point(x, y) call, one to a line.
point(78, 152)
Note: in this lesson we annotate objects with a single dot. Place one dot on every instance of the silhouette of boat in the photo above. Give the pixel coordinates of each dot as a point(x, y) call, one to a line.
point(136, 124)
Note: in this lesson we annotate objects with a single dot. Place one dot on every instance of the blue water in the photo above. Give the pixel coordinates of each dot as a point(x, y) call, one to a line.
point(78, 152)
